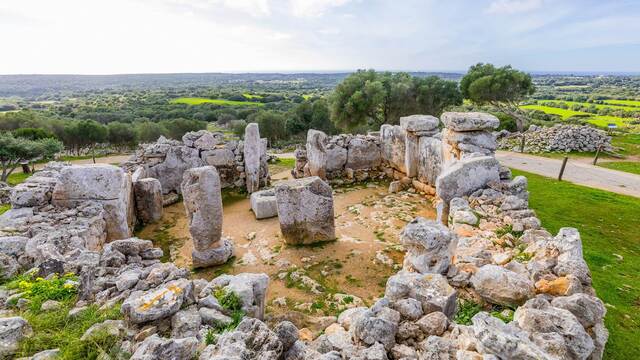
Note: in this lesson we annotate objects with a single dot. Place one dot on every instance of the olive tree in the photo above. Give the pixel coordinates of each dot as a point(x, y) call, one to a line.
point(15, 150)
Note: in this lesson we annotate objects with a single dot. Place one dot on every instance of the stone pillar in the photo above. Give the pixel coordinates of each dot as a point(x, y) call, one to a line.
point(416, 126)
point(252, 151)
point(429, 159)
point(392, 139)
point(148, 196)
point(468, 133)
point(316, 153)
point(203, 205)
point(305, 210)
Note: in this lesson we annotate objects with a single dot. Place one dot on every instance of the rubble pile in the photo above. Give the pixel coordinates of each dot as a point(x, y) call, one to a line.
point(557, 138)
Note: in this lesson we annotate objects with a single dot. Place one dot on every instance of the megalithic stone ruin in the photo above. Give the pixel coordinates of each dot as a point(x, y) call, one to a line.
point(203, 204)
point(252, 153)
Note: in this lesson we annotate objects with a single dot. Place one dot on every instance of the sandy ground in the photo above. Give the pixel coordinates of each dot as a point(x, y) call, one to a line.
point(576, 171)
point(115, 159)
point(366, 252)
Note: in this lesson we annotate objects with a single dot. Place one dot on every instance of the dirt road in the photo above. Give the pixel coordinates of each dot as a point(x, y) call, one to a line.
point(578, 172)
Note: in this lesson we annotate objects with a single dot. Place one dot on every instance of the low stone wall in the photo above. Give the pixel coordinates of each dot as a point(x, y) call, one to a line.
point(167, 160)
point(557, 138)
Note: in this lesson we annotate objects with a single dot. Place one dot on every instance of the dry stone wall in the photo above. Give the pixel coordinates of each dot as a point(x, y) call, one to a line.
point(167, 160)
point(557, 138)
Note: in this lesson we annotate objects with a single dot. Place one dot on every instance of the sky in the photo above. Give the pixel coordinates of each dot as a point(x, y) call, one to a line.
point(172, 36)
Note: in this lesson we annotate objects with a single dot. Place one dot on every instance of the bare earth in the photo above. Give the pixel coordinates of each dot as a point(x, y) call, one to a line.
point(367, 251)
point(578, 172)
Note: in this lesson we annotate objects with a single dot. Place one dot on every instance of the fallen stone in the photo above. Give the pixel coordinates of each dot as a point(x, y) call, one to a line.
point(264, 204)
point(429, 245)
point(148, 197)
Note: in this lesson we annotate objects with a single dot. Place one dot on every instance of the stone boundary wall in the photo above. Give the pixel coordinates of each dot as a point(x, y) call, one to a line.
point(167, 160)
point(557, 138)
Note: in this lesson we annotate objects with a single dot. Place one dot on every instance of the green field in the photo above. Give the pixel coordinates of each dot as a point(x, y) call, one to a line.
point(251, 96)
point(563, 113)
point(599, 120)
point(200, 101)
point(629, 107)
point(633, 103)
point(626, 166)
point(611, 241)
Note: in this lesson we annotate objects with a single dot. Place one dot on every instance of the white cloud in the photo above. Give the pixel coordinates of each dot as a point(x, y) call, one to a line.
point(314, 8)
point(513, 6)
point(255, 8)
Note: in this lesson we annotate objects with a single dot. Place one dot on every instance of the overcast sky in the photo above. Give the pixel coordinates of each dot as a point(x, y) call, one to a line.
point(160, 36)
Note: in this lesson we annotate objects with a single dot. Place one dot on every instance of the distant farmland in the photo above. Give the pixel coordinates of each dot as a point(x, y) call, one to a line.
point(200, 101)
point(598, 120)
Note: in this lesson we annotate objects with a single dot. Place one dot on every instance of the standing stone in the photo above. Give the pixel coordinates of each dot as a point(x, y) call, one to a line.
point(469, 121)
point(305, 210)
point(393, 146)
point(413, 126)
point(252, 150)
point(107, 184)
point(148, 195)
point(316, 153)
point(363, 153)
point(203, 204)
point(429, 159)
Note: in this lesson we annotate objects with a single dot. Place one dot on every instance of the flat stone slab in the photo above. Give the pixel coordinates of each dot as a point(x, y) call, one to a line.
point(264, 204)
point(415, 123)
point(469, 121)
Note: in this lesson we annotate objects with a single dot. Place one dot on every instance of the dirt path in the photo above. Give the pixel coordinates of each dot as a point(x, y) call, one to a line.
point(578, 172)
point(113, 159)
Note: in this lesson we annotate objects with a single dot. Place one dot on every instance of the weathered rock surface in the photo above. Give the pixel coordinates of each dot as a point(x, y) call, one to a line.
point(252, 153)
point(264, 204)
point(12, 330)
point(148, 198)
point(431, 290)
point(393, 146)
point(250, 288)
point(469, 121)
point(155, 347)
point(252, 339)
point(203, 203)
point(498, 285)
point(466, 176)
point(429, 159)
point(363, 153)
point(316, 153)
point(560, 137)
point(305, 210)
point(429, 245)
point(158, 303)
point(105, 184)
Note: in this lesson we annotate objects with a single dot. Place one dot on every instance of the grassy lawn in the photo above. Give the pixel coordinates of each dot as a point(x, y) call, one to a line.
point(626, 166)
point(563, 113)
point(633, 103)
point(612, 104)
point(598, 120)
point(608, 224)
point(199, 101)
point(630, 144)
point(281, 165)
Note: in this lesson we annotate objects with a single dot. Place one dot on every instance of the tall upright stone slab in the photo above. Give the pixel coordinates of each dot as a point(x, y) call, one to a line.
point(415, 127)
point(148, 196)
point(252, 152)
point(106, 184)
point(316, 153)
point(203, 204)
point(429, 159)
point(305, 210)
point(468, 134)
point(393, 140)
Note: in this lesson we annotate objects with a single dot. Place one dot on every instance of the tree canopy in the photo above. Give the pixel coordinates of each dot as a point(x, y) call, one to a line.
point(502, 87)
point(14, 150)
point(370, 98)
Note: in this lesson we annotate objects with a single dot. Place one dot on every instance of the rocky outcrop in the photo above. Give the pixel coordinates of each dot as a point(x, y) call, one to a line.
point(12, 330)
point(203, 204)
point(305, 210)
point(107, 185)
point(466, 176)
point(429, 246)
point(316, 153)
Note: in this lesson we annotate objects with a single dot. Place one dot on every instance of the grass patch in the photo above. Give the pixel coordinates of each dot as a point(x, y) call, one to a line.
point(281, 165)
point(608, 226)
point(4, 208)
point(200, 101)
point(466, 310)
point(626, 166)
point(17, 178)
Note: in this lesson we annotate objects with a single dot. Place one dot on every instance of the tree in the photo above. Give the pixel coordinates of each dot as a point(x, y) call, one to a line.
point(356, 100)
point(176, 128)
point(33, 133)
point(149, 131)
point(502, 87)
point(92, 133)
point(14, 151)
point(272, 125)
point(121, 134)
point(373, 99)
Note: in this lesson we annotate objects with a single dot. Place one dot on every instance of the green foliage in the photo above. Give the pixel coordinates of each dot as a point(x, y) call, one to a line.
point(502, 87)
point(370, 98)
point(33, 133)
point(506, 315)
point(39, 290)
point(200, 101)
point(121, 134)
point(508, 229)
point(467, 309)
point(15, 150)
point(149, 131)
point(272, 124)
point(4, 208)
point(228, 299)
point(606, 224)
point(17, 178)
